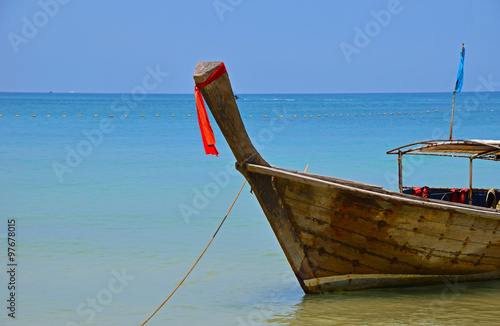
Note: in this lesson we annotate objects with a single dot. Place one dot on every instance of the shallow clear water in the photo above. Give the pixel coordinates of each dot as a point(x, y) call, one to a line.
point(118, 209)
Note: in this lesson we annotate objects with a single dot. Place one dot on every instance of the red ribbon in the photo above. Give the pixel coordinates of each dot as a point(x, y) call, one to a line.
point(207, 133)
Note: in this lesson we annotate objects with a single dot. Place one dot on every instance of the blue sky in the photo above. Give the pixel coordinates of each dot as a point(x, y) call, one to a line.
point(321, 46)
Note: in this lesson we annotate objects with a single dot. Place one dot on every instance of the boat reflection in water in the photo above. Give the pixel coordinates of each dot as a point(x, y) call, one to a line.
point(446, 304)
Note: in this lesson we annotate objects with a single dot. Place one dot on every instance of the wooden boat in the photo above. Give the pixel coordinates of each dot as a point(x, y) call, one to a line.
point(345, 235)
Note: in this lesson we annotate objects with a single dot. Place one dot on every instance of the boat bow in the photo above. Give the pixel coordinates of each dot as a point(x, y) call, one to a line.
point(220, 99)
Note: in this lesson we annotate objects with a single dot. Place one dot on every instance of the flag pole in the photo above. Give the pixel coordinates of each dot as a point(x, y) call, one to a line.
point(452, 112)
point(458, 86)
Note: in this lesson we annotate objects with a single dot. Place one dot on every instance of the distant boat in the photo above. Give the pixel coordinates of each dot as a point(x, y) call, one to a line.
point(345, 235)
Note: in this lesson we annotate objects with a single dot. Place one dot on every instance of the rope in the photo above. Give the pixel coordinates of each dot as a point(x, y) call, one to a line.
point(185, 277)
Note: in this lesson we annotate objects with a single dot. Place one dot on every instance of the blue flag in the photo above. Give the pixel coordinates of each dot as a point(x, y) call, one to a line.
point(460, 75)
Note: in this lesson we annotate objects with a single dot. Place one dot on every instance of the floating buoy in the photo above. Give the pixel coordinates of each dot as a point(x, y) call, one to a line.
point(311, 115)
point(250, 115)
point(95, 115)
point(319, 115)
point(80, 116)
point(34, 115)
point(348, 114)
point(305, 116)
point(427, 111)
point(189, 115)
point(326, 115)
point(362, 114)
point(436, 110)
point(399, 113)
point(355, 114)
point(111, 116)
point(126, 116)
point(378, 113)
point(173, 115)
point(405, 112)
point(141, 115)
point(265, 116)
point(341, 115)
point(294, 116)
point(17, 115)
point(385, 113)
point(333, 115)
point(281, 116)
point(48, 115)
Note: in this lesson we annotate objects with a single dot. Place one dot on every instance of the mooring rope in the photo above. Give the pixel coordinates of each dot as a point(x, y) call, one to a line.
point(185, 277)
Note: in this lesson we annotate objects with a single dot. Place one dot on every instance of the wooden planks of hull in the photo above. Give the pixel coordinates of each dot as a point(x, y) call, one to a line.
point(348, 233)
point(368, 237)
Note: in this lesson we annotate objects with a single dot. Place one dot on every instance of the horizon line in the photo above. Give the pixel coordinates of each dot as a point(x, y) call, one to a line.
point(270, 93)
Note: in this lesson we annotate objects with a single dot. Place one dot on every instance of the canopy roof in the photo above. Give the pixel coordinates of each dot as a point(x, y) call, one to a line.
point(473, 149)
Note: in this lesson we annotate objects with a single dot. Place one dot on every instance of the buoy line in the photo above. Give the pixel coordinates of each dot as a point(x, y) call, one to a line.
point(281, 116)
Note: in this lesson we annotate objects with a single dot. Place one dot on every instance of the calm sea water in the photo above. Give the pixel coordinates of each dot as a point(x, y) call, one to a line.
point(111, 212)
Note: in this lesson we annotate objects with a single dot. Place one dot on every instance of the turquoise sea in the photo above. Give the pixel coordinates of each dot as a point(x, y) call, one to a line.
point(111, 212)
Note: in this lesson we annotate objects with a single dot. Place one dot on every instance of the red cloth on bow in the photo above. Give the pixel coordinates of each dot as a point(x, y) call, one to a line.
point(207, 133)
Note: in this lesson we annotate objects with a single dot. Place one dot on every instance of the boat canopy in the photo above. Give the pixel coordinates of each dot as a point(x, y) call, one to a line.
point(472, 149)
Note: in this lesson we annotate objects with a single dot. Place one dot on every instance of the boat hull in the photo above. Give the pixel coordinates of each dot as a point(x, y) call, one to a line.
point(356, 237)
point(354, 282)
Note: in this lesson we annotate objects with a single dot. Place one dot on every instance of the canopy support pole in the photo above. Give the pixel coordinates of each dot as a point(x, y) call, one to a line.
point(470, 181)
point(400, 171)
